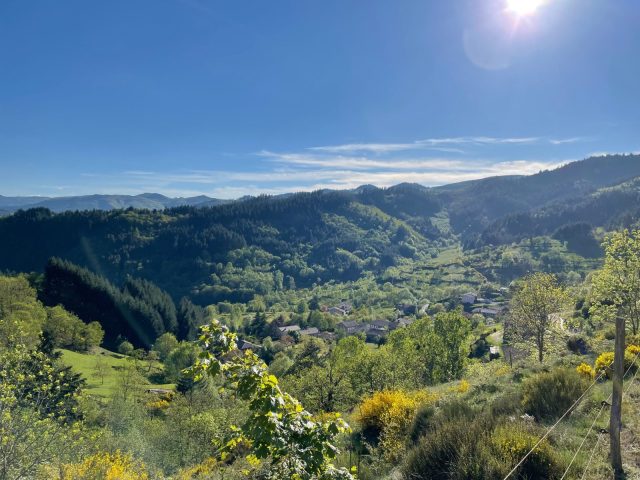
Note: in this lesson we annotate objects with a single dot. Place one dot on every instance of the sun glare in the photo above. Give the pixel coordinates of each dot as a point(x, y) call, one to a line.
point(524, 7)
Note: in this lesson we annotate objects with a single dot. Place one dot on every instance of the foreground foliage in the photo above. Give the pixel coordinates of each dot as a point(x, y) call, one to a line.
point(279, 430)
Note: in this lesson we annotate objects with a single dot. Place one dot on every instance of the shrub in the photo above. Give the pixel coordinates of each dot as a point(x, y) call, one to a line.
point(586, 371)
point(125, 348)
point(633, 339)
point(632, 350)
point(603, 363)
point(105, 466)
point(549, 394)
point(506, 404)
point(578, 344)
point(512, 441)
point(455, 409)
point(478, 449)
point(462, 387)
point(387, 417)
point(479, 348)
point(422, 422)
point(610, 333)
point(375, 411)
point(457, 449)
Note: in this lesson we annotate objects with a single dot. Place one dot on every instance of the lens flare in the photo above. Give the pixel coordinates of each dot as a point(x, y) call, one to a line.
point(523, 8)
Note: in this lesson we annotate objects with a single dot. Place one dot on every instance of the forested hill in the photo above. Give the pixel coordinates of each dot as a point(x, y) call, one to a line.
point(299, 239)
point(307, 238)
point(475, 205)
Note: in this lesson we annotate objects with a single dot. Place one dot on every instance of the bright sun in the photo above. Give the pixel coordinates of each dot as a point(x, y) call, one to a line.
point(524, 7)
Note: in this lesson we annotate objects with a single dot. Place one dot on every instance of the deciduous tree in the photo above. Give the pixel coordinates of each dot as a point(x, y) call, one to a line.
point(532, 307)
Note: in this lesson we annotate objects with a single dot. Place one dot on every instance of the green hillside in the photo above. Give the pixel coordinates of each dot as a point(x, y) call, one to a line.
point(106, 384)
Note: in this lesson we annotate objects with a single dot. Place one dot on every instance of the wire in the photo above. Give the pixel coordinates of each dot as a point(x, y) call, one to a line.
point(632, 380)
point(554, 425)
point(595, 446)
point(583, 440)
point(596, 419)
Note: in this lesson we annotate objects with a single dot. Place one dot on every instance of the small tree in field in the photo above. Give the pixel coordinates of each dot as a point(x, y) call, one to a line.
point(538, 298)
point(125, 348)
point(101, 368)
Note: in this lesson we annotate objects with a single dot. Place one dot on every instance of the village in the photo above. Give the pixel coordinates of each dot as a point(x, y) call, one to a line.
point(490, 311)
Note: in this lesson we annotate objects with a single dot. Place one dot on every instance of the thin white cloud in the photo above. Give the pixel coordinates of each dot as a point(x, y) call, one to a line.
point(435, 143)
point(336, 167)
point(562, 141)
point(362, 163)
point(233, 184)
point(367, 147)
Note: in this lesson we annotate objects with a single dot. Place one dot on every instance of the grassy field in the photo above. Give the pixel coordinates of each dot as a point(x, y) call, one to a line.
point(85, 364)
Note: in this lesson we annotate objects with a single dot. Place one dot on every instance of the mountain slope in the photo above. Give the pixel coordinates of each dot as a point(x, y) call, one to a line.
point(8, 203)
point(473, 206)
point(610, 207)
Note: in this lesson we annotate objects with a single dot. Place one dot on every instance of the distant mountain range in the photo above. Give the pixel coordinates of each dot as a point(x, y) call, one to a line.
point(150, 201)
point(306, 238)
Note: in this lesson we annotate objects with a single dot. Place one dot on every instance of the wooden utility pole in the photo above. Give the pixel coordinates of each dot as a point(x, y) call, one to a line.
point(615, 422)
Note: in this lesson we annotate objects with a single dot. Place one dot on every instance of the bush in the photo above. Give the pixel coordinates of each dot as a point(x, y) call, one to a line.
point(585, 370)
point(479, 449)
point(633, 340)
point(512, 441)
point(387, 416)
point(506, 404)
point(605, 360)
point(479, 348)
point(375, 411)
point(125, 348)
point(456, 450)
point(427, 418)
point(610, 333)
point(578, 345)
point(422, 422)
point(105, 466)
point(548, 395)
point(633, 350)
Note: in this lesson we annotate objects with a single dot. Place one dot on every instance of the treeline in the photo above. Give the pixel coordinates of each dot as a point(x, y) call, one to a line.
point(139, 311)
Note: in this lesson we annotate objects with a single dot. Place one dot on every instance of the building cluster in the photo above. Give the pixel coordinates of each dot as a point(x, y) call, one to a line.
point(473, 304)
point(343, 309)
point(374, 330)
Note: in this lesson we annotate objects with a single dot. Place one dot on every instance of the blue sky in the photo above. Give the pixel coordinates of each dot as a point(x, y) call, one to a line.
point(236, 97)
